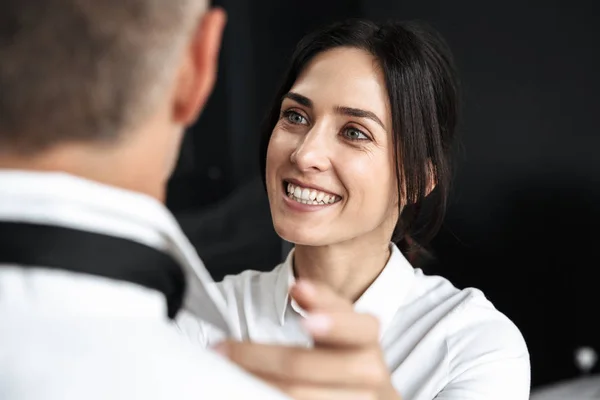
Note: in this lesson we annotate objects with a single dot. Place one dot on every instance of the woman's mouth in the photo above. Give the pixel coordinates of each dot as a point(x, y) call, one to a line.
point(309, 196)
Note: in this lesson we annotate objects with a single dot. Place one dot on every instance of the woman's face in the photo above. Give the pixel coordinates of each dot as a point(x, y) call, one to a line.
point(330, 169)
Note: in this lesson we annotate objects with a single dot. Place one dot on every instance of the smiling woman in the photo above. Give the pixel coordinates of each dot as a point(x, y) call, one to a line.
point(390, 94)
point(331, 140)
point(359, 136)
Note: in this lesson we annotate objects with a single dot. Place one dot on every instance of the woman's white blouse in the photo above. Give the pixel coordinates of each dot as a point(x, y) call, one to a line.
point(439, 342)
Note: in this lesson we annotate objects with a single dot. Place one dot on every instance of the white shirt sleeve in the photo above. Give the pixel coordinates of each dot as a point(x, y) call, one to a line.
point(488, 360)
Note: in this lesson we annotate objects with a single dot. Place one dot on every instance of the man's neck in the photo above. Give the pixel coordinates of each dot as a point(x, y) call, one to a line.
point(106, 166)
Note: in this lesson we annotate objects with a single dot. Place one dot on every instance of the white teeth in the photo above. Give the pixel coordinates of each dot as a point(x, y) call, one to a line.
point(310, 196)
point(305, 194)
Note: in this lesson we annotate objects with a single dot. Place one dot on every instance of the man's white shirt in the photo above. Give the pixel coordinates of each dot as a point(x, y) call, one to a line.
point(66, 335)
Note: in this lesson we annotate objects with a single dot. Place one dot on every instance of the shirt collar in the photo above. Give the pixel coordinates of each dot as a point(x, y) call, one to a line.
point(285, 279)
point(382, 299)
point(61, 199)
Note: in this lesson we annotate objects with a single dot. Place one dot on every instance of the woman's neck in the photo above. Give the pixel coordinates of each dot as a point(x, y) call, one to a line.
point(348, 268)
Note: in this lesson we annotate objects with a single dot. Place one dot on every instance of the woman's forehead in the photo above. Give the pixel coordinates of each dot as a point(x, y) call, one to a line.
point(346, 77)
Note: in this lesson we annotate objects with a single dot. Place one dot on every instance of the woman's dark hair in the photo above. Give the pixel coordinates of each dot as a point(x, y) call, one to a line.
point(422, 86)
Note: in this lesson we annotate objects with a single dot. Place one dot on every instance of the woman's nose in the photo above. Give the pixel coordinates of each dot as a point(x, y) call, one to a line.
point(312, 153)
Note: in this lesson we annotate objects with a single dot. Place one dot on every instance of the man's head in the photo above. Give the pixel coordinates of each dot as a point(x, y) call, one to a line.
point(104, 89)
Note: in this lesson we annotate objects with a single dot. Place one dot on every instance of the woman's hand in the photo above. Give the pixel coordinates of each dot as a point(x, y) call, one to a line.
point(345, 363)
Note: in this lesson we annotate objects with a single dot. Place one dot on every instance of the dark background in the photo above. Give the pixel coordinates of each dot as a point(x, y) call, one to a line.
point(522, 225)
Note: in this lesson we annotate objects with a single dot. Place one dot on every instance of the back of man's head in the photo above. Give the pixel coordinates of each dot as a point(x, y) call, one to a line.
point(92, 71)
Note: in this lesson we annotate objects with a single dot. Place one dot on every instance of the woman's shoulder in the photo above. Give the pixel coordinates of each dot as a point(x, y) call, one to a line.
point(469, 317)
point(477, 323)
point(474, 328)
point(482, 345)
point(439, 291)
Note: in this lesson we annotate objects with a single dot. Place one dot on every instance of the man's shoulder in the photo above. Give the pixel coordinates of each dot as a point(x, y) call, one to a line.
point(195, 373)
point(156, 365)
point(199, 371)
point(95, 359)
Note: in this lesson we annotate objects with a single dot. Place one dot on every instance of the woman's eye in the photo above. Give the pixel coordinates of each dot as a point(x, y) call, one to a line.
point(355, 134)
point(294, 117)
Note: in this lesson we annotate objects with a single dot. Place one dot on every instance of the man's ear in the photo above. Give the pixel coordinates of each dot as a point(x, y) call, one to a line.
point(199, 69)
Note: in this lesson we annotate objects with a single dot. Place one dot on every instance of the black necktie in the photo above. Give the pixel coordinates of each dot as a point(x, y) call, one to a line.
point(52, 247)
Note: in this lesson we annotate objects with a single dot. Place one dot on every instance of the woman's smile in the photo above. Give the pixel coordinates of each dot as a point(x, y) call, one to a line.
point(306, 194)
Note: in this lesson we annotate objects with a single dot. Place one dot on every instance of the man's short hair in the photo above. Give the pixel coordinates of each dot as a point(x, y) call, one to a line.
point(85, 70)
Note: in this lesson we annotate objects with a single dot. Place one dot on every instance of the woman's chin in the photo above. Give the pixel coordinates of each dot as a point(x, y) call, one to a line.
point(302, 237)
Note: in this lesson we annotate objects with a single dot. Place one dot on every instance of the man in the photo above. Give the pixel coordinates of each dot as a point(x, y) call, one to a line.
point(94, 100)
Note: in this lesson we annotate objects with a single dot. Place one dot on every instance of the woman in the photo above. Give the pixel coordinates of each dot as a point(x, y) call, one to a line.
point(359, 137)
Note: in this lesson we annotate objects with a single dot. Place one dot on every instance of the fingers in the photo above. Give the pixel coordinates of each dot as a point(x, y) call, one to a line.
point(347, 329)
point(294, 365)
